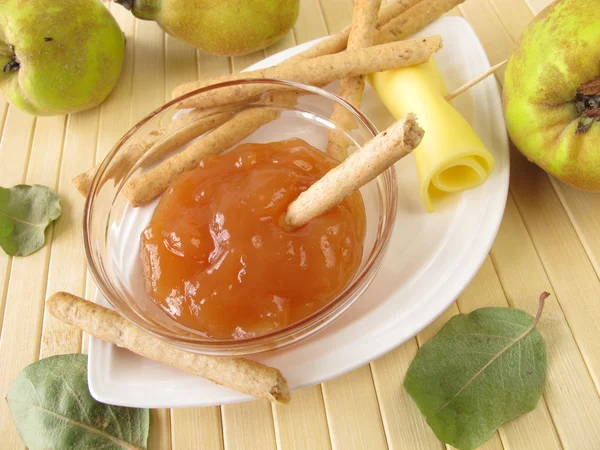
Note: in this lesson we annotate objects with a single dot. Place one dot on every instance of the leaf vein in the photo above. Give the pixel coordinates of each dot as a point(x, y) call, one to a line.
point(34, 390)
point(520, 352)
point(489, 363)
point(40, 225)
point(514, 324)
point(502, 374)
point(112, 413)
point(77, 399)
point(75, 423)
point(483, 334)
point(129, 421)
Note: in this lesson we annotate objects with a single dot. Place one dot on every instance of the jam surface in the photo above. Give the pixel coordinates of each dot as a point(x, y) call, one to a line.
point(216, 258)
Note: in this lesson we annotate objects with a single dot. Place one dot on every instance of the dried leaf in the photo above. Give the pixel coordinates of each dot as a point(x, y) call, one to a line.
point(481, 370)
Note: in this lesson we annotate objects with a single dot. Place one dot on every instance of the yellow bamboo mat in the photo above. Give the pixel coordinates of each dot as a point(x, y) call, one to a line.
point(549, 240)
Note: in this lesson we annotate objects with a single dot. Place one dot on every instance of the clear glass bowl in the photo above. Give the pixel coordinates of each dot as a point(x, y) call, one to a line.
point(112, 226)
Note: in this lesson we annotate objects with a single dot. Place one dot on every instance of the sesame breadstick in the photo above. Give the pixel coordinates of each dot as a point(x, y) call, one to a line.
point(145, 188)
point(362, 30)
point(388, 12)
point(355, 171)
point(154, 146)
point(324, 69)
point(242, 375)
point(414, 19)
point(332, 44)
point(404, 11)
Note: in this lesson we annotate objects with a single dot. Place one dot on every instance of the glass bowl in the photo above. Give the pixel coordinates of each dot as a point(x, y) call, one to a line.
point(112, 227)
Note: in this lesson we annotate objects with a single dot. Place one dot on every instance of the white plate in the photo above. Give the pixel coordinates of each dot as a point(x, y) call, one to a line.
point(431, 259)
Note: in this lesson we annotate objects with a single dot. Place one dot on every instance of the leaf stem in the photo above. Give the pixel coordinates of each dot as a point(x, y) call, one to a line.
point(542, 301)
point(543, 297)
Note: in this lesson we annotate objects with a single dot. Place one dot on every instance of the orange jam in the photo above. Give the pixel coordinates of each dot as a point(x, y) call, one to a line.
point(216, 259)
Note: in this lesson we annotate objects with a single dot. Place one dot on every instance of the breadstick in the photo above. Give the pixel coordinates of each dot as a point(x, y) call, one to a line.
point(337, 43)
point(403, 10)
point(333, 44)
point(171, 141)
point(155, 145)
point(355, 171)
point(243, 375)
point(324, 69)
point(132, 153)
point(362, 30)
point(392, 10)
point(414, 19)
point(147, 187)
point(150, 185)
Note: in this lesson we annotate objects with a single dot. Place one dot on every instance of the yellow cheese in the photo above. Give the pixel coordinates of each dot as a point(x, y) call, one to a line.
point(451, 157)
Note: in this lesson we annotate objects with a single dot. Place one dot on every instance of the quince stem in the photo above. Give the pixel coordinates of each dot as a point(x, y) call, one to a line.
point(127, 4)
point(142, 9)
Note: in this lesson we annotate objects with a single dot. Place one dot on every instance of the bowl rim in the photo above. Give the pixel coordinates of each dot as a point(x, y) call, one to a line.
point(246, 346)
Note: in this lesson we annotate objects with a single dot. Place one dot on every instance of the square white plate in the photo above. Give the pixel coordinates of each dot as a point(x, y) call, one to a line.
point(431, 259)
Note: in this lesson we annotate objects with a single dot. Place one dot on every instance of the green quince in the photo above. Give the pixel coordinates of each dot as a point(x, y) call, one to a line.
point(551, 92)
point(220, 27)
point(58, 56)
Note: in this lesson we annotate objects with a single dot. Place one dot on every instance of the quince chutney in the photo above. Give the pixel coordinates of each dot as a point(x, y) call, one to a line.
point(216, 258)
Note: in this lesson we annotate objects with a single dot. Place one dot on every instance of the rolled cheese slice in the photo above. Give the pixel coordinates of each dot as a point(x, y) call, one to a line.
point(451, 157)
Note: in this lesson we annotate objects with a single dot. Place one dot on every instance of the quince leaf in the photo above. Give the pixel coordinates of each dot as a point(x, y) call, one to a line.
point(52, 407)
point(25, 213)
point(481, 370)
point(6, 227)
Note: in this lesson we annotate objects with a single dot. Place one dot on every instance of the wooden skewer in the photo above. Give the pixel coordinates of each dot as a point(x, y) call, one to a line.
point(469, 84)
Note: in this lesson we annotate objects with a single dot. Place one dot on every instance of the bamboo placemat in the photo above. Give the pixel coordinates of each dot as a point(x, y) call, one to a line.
point(548, 241)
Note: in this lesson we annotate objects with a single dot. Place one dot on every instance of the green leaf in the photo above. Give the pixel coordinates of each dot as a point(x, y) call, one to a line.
point(6, 227)
point(25, 212)
point(482, 369)
point(53, 409)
